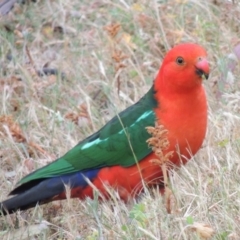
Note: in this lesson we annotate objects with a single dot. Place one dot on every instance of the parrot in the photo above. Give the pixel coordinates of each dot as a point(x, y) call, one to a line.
point(118, 155)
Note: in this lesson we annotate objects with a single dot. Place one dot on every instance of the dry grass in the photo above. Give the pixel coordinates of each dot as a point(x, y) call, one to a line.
point(109, 52)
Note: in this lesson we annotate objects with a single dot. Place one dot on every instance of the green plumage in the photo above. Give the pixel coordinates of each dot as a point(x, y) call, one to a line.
point(122, 141)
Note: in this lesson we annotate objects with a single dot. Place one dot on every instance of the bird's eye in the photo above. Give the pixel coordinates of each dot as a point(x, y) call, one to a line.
point(180, 61)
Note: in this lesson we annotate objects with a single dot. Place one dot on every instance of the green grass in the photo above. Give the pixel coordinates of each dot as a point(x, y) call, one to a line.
point(71, 37)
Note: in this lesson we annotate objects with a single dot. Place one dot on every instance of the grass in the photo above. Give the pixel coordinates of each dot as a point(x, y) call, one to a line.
point(109, 52)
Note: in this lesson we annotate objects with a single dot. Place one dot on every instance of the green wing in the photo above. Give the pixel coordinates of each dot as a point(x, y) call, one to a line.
point(122, 141)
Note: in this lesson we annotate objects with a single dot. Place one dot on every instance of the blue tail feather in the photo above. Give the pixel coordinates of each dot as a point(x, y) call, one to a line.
point(30, 194)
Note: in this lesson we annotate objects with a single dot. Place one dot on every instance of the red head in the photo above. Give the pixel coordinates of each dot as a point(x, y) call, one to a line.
point(183, 68)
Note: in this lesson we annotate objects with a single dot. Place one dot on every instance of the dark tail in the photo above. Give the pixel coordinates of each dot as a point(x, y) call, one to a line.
point(42, 191)
point(30, 196)
point(6, 6)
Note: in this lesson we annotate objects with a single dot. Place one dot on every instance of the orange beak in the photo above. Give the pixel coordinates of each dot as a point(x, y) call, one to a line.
point(202, 67)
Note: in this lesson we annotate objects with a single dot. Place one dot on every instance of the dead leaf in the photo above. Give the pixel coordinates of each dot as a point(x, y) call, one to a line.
point(7, 125)
point(205, 231)
point(127, 38)
point(77, 117)
point(137, 7)
point(113, 29)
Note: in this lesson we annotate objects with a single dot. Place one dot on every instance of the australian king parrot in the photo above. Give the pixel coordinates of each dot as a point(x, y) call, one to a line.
point(118, 155)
